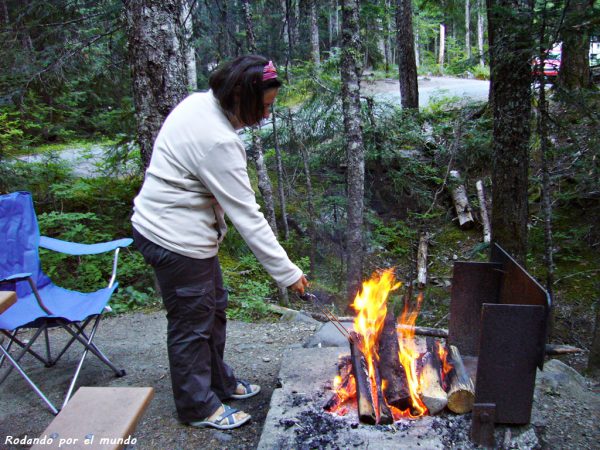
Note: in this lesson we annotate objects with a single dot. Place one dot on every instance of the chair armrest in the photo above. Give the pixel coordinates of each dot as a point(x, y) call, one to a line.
point(16, 277)
point(72, 248)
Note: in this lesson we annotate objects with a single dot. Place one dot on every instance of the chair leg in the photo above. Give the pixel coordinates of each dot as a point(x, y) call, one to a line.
point(87, 342)
point(14, 364)
point(26, 349)
point(89, 346)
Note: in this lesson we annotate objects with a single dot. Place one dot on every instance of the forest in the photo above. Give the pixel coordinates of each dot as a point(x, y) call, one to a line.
point(350, 181)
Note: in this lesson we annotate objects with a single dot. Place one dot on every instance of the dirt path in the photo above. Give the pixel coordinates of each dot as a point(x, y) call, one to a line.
point(136, 342)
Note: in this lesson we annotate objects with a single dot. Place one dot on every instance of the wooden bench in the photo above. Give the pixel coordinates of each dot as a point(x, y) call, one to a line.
point(97, 418)
point(7, 299)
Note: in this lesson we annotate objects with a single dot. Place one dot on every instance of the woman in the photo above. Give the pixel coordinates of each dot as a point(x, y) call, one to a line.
point(196, 175)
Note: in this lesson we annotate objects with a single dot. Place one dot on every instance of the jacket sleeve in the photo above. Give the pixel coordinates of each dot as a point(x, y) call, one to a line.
point(223, 170)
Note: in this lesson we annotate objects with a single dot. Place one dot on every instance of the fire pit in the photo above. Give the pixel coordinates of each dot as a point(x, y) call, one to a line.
point(389, 382)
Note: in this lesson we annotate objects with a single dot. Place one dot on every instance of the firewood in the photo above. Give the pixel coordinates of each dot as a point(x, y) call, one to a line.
point(461, 393)
point(431, 392)
point(461, 202)
point(364, 398)
point(426, 331)
point(346, 384)
point(392, 371)
point(422, 260)
point(485, 218)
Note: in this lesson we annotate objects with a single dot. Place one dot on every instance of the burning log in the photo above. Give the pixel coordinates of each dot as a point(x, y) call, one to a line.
point(346, 388)
point(431, 392)
point(485, 218)
point(392, 371)
point(461, 202)
point(461, 392)
point(422, 260)
point(369, 399)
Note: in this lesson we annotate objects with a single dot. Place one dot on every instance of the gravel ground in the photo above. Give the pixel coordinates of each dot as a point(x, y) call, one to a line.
point(566, 412)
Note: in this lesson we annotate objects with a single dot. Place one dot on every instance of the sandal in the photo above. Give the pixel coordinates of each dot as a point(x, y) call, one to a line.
point(225, 420)
point(250, 390)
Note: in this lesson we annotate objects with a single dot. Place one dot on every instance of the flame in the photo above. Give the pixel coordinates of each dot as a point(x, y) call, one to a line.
point(370, 305)
point(408, 355)
point(446, 365)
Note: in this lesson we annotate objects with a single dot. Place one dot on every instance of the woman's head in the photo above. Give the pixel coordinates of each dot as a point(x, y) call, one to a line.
point(240, 86)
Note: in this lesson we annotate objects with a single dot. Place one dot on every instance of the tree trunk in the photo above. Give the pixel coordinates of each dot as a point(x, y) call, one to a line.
point(574, 66)
point(510, 23)
point(280, 181)
point(285, 33)
point(407, 66)
point(351, 72)
point(468, 28)
point(480, 31)
point(157, 57)
point(314, 33)
point(442, 52)
point(594, 357)
point(249, 26)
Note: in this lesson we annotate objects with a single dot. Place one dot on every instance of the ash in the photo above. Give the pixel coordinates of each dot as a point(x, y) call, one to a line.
point(314, 428)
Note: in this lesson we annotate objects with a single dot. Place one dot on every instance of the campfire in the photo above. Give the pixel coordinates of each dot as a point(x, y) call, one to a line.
point(391, 374)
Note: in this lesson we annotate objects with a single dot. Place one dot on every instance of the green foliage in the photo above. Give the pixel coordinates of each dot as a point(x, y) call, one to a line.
point(248, 286)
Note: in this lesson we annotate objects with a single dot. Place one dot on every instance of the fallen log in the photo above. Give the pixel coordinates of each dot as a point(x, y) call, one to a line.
point(392, 371)
point(461, 392)
point(369, 399)
point(461, 201)
point(422, 261)
point(431, 392)
point(485, 218)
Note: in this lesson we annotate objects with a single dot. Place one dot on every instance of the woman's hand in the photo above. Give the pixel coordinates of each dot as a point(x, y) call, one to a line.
point(299, 285)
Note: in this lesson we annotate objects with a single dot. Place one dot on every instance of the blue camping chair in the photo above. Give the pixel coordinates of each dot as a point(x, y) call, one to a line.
point(41, 304)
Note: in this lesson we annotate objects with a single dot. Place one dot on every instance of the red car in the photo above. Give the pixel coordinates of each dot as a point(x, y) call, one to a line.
point(551, 66)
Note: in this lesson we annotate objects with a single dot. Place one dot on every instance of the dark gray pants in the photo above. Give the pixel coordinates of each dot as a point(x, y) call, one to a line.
point(195, 300)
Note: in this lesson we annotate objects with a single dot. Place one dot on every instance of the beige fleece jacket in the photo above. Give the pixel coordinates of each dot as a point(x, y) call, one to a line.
point(198, 173)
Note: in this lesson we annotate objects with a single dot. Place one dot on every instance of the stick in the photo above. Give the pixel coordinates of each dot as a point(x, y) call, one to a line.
point(422, 260)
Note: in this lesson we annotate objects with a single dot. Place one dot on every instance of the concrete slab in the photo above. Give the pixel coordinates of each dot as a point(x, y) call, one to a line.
point(296, 418)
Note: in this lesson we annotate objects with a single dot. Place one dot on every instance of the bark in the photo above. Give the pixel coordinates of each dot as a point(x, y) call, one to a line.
point(468, 28)
point(280, 180)
point(350, 73)
point(314, 33)
point(509, 24)
point(407, 66)
point(594, 357)
point(480, 31)
point(190, 54)
point(483, 211)
point(461, 392)
point(574, 66)
point(542, 125)
point(285, 33)
point(430, 383)
point(422, 261)
point(250, 37)
point(442, 52)
point(312, 231)
point(157, 57)
point(461, 201)
point(392, 371)
point(371, 406)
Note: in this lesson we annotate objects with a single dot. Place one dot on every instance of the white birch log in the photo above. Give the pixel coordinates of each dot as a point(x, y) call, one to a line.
point(422, 260)
point(461, 202)
point(485, 218)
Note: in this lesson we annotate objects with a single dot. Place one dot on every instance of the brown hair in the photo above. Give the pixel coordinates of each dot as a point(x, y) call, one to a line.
point(239, 87)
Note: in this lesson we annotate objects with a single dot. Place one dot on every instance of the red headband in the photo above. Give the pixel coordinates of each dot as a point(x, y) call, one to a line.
point(269, 72)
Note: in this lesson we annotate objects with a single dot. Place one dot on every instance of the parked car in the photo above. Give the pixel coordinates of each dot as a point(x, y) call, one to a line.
point(551, 66)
